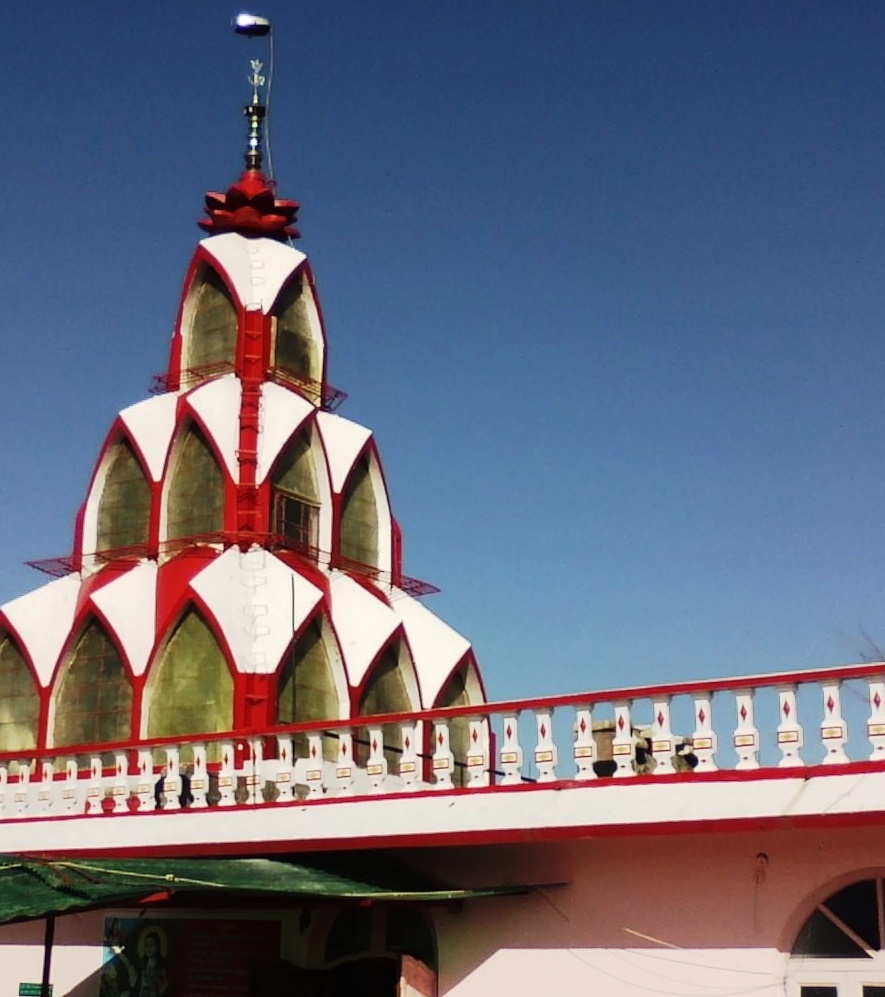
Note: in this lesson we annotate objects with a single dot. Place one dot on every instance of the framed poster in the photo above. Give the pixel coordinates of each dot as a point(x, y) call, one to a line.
point(172, 957)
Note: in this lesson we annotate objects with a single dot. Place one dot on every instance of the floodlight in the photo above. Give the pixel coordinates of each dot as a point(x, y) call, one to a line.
point(251, 25)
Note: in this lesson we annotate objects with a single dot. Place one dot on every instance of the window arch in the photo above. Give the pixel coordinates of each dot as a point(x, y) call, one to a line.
point(93, 699)
point(387, 692)
point(212, 326)
point(124, 508)
point(195, 496)
point(307, 689)
point(191, 688)
point(19, 701)
point(455, 693)
point(359, 516)
point(295, 346)
point(840, 948)
point(296, 495)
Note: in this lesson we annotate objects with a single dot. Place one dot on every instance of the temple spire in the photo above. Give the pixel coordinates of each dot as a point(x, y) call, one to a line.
point(249, 207)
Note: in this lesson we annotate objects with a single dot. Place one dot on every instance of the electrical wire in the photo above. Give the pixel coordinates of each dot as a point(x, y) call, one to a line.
point(267, 106)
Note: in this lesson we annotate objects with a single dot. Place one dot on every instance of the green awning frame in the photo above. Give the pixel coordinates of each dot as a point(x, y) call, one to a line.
point(33, 888)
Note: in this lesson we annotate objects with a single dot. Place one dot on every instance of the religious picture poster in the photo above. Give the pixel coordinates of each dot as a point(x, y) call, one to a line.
point(147, 957)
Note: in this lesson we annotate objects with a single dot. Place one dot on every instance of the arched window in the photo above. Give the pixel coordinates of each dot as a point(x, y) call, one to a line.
point(307, 688)
point(359, 516)
point(840, 949)
point(124, 508)
point(294, 345)
point(455, 693)
point(296, 497)
point(19, 702)
point(386, 692)
point(195, 497)
point(191, 688)
point(212, 329)
point(93, 700)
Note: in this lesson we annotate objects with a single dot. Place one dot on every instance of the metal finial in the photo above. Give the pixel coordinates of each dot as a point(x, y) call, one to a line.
point(255, 112)
point(256, 79)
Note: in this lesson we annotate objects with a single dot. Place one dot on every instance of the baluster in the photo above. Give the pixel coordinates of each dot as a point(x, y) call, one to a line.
point(4, 786)
point(314, 774)
point(478, 752)
point(662, 737)
point(284, 780)
point(376, 767)
point(585, 746)
point(253, 779)
point(227, 776)
point(69, 800)
point(833, 728)
point(45, 787)
point(171, 779)
point(789, 730)
point(199, 778)
point(546, 753)
point(144, 788)
point(344, 776)
point(94, 789)
point(120, 787)
point(443, 759)
point(876, 723)
point(511, 751)
point(704, 741)
point(623, 745)
point(408, 762)
point(746, 736)
point(23, 789)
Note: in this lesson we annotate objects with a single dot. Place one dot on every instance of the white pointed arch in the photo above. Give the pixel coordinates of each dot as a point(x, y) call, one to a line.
point(316, 532)
point(151, 424)
point(343, 441)
point(218, 406)
point(391, 674)
point(437, 648)
point(299, 343)
point(258, 602)
point(282, 413)
point(256, 268)
point(366, 527)
point(117, 512)
point(43, 619)
point(129, 605)
point(363, 622)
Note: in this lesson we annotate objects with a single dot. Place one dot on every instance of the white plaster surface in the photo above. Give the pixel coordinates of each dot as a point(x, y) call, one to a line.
point(282, 412)
point(218, 405)
point(152, 423)
point(343, 440)
point(436, 647)
point(43, 619)
point(363, 624)
point(258, 268)
point(129, 604)
point(258, 602)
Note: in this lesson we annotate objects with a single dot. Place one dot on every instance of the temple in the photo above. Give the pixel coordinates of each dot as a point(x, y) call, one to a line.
point(239, 755)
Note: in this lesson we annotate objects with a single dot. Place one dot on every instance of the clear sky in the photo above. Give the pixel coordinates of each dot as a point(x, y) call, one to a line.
point(605, 278)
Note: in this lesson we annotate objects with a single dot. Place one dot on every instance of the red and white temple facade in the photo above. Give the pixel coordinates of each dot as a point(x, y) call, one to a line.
point(232, 663)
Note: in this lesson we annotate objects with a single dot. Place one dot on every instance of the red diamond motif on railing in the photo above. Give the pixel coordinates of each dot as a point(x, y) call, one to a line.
point(474, 735)
point(786, 709)
point(660, 719)
point(344, 749)
point(583, 725)
point(620, 723)
point(830, 704)
point(543, 731)
point(284, 754)
point(877, 700)
point(407, 743)
point(701, 715)
point(743, 713)
point(509, 732)
point(313, 751)
point(374, 744)
point(440, 739)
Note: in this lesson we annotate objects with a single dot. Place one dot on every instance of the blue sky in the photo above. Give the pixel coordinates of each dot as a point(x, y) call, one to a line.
point(605, 278)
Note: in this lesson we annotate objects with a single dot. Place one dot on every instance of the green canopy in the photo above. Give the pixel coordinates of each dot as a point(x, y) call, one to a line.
point(32, 888)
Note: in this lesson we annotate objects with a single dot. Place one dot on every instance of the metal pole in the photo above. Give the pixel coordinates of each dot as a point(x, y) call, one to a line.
point(48, 938)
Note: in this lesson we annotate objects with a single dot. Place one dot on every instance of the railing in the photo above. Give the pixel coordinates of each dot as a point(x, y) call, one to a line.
point(830, 720)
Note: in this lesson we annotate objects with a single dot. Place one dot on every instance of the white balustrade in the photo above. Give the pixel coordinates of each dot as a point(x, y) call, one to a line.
point(623, 742)
point(478, 773)
point(376, 767)
point(662, 747)
point(344, 777)
point(789, 730)
point(284, 779)
point(94, 791)
point(314, 771)
point(833, 728)
point(546, 752)
point(876, 723)
point(70, 788)
point(120, 785)
point(511, 751)
point(144, 786)
point(408, 760)
point(585, 744)
point(704, 740)
point(199, 786)
point(746, 736)
point(171, 791)
point(45, 787)
point(443, 759)
point(227, 775)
